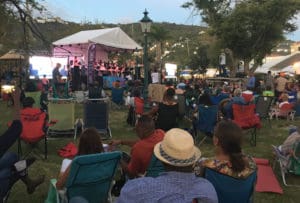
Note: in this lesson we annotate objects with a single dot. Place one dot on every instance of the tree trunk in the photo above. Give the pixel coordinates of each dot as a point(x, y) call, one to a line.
point(246, 66)
point(255, 66)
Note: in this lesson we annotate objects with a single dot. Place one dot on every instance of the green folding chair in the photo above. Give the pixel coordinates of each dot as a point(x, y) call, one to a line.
point(90, 177)
point(64, 112)
point(155, 167)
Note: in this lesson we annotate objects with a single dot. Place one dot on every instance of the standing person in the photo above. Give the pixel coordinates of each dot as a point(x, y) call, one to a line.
point(56, 79)
point(251, 82)
point(76, 75)
point(45, 83)
point(178, 184)
point(222, 64)
point(142, 148)
point(280, 84)
point(155, 76)
point(56, 76)
point(269, 80)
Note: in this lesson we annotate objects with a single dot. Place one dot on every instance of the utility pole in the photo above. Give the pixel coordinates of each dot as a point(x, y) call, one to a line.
point(187, 45)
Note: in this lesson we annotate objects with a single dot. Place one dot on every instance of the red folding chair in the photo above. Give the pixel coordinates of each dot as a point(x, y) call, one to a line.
point(246, 118)
point(139, 105)
point(286, 111)
point(34, 129)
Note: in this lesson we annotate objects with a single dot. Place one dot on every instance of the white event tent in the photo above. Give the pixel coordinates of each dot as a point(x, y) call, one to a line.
point(106, 40)
point(279, 64)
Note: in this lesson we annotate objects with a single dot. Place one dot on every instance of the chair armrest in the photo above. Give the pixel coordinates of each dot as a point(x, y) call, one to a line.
point(52, 122)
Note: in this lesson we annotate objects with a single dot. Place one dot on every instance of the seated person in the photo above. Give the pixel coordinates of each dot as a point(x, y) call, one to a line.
point(12, 168)
point(229, 158)
point(166, 112)
point(284, 99)
point(287, 146)
point(28, 102)
point(142, 148)
point(226, 107)
point(89, 143)
point(178, 184)
point(95, 91)
point(205, 99)
point(292, 92)
point(284, 108)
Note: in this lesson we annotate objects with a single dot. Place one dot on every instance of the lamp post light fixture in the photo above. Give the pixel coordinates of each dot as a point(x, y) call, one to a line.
point(146, 25)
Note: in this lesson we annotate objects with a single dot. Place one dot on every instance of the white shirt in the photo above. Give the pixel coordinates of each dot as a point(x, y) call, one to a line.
point(155, 77)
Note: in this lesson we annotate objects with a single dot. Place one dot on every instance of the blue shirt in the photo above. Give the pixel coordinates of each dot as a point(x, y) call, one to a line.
point(175, 187)
point(251, 82)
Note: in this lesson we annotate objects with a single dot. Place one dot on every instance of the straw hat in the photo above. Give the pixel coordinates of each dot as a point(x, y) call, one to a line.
point(177, 148)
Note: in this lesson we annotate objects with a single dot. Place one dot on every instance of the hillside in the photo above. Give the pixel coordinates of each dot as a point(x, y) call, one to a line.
point(53, 31)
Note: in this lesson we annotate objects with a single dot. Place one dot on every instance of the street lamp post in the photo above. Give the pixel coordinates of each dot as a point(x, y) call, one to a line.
point(146, 25)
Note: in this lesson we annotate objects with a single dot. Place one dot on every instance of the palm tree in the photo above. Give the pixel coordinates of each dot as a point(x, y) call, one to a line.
point(159, 35)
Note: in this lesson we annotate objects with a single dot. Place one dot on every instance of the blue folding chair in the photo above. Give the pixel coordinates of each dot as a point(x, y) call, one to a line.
point(90, 177)
point(155, 167)
point(117, 95)
point(206, 121)
point(96, 115)
point(230, 189)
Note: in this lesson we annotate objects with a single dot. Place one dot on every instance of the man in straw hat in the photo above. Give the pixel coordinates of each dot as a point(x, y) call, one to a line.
point(178, 184)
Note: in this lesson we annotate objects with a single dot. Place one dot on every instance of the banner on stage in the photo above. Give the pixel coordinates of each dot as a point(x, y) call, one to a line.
point(91, 61)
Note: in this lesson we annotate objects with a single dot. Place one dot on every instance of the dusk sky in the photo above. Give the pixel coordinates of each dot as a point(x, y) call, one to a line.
point(128, 11)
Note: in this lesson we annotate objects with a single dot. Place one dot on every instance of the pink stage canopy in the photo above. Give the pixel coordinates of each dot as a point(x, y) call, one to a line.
point(110, 39)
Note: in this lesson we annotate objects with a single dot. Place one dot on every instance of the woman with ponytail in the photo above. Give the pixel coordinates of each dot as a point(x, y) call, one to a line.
point(229, 158)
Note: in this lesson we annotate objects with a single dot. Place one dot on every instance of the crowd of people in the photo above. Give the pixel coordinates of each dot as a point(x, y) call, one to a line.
point(158, 133)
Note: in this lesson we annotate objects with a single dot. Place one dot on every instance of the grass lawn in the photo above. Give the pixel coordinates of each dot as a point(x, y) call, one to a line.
point(266, 136)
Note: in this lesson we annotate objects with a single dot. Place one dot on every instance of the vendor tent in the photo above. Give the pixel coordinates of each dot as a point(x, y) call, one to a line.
point(278, 63)
point(110, 39)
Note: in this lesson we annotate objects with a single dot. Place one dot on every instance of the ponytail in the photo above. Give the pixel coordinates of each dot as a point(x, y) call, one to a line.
point(237, 162)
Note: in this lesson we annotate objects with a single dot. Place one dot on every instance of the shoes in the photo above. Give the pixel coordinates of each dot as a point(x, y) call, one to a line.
point(33, 183)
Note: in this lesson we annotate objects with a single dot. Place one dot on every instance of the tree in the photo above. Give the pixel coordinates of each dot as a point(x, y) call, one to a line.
point(22, 11)
point(199, 60)
point(159, 35)
point(248, 29)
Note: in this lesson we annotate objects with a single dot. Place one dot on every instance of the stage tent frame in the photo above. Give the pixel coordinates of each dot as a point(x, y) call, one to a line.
point(106, 40)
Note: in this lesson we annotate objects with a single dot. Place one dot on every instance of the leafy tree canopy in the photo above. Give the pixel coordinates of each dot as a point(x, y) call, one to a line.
point(249, 28)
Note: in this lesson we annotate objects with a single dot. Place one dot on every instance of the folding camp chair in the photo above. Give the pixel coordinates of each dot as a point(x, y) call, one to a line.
point(63, 111)
point(231, 189)
point(34, 129)
point(96, 114)
point(155, 167)
point(206, 121)
point(288, 164)
point(263, 107)
point(90, 177)
point(117, 95)
point(286, 111)
point(245, 117)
